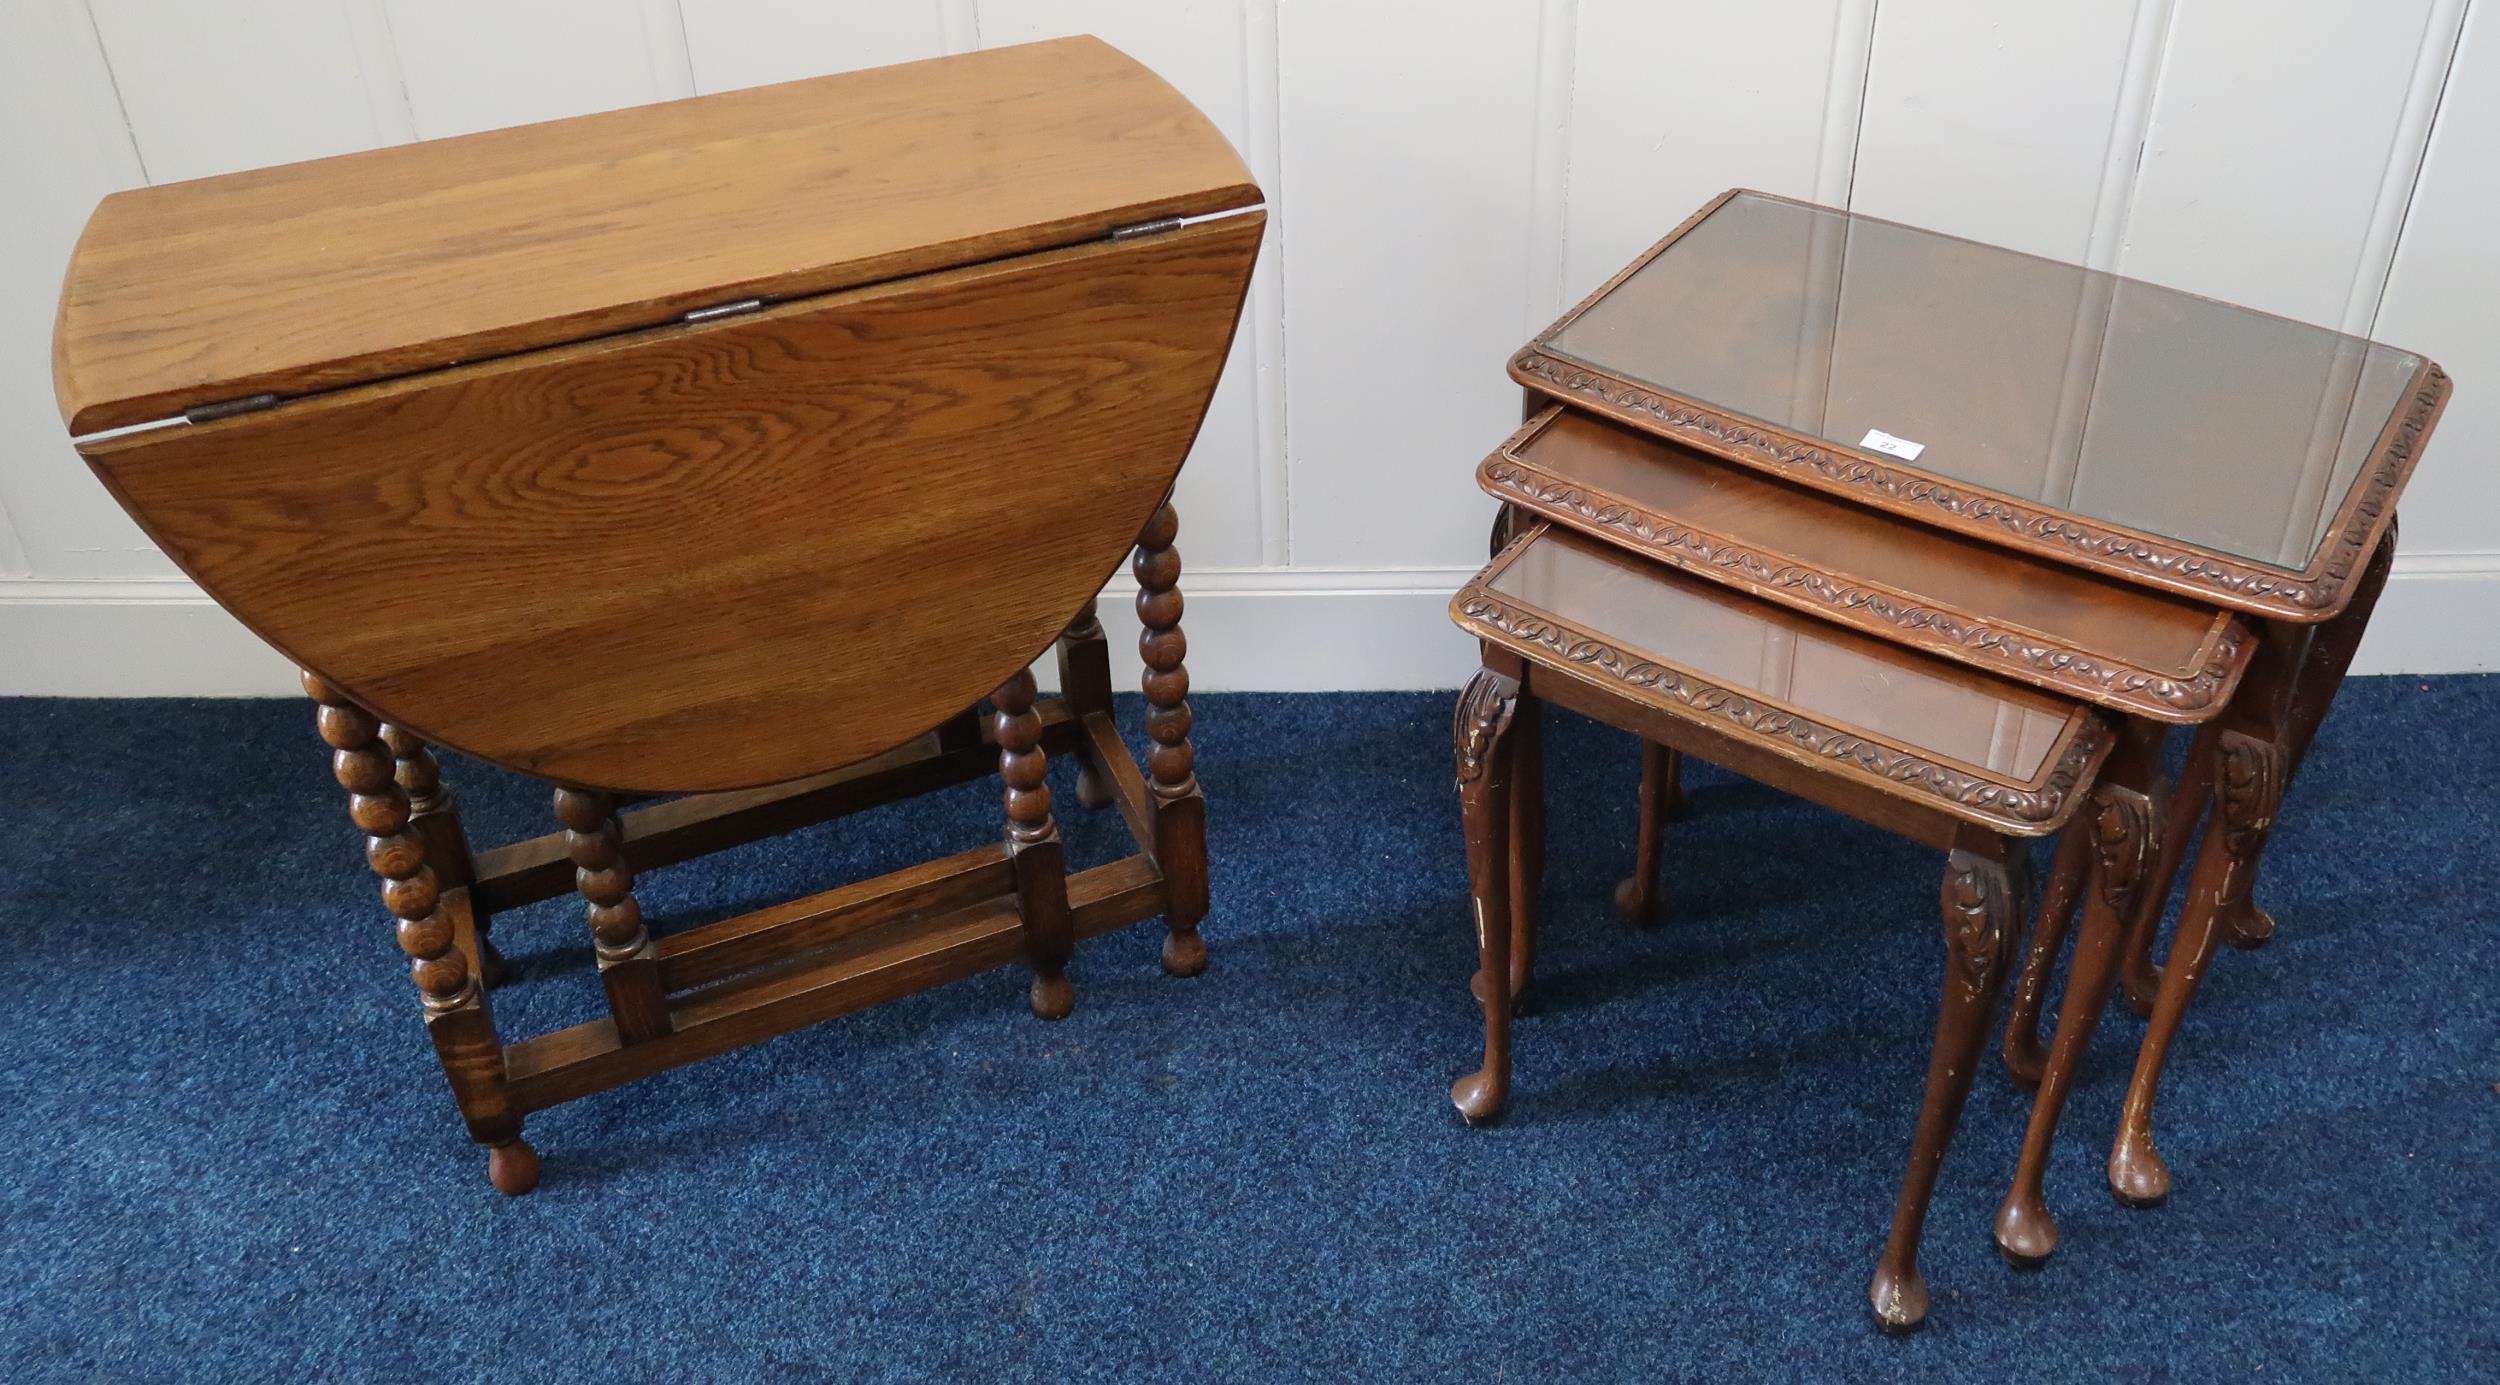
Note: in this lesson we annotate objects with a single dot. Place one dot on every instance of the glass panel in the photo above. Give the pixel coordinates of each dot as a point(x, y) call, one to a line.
point(1751, 647)
point(2111, 399)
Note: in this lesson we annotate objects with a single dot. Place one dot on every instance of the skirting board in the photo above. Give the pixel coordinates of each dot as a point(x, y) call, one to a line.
point(1250, 629)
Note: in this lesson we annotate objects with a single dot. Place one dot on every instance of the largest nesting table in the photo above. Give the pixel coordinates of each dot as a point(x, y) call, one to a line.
point(735, 448)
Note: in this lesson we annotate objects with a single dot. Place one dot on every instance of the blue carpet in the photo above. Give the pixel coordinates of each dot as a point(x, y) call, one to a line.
point(230, 1155)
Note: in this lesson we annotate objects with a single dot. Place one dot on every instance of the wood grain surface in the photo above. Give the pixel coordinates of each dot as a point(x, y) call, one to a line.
point(348, 270)
point(2124, 647)
point(717, 555)
point(1991, 753)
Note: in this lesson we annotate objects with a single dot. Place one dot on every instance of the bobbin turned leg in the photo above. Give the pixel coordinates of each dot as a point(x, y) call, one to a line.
point(1033, 847)
point(1637, 897)
point(2122, 832)
point(1480, 736)
point(1085, 685)
point(1982, 913)
point(435, 815)
point(1180, 808)
point(456, 1013)
point(629, 966)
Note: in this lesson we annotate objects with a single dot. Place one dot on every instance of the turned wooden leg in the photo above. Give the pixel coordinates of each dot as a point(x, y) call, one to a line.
point(1638, 896)
point(629, 966)
point(2023, 1052)
point(430, 933)
point(2121, 835)
point(1085, 685)
point(1527, 839)
point(1481, 737)
point(435, 815)
point(1180, 807)
point(1982, 913)
point(2248, 779)
point(1033, 847)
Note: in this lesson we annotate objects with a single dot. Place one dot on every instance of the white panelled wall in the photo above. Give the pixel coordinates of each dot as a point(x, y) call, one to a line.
point(1444, 176)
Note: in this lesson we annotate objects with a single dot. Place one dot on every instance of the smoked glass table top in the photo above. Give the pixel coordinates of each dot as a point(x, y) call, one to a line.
point(1903, 356)
point(1919, 726)
point(2124, 647)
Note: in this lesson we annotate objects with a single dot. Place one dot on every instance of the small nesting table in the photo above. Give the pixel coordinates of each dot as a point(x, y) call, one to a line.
point(730, 451)
point(2171, 510)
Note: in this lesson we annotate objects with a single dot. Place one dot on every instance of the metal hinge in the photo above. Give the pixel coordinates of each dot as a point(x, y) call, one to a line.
point(228, 408)
point(1155, 227)
point(719, 311)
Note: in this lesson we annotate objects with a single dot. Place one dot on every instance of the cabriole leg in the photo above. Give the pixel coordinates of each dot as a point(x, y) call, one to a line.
point(1982, 913)
point(1180, 807)
point(456, 1013)
point(2313, 695)
point(2248, 778)
point(1527, 839)
point(1638, 896)
point(2023, 1052)
point(1480, 734)
point(1034, 849)
point(2122, 833)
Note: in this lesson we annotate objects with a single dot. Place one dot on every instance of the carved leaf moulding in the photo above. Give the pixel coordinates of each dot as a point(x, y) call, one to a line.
point(1681, 544)
point(1563, 643)
point(2251, 583)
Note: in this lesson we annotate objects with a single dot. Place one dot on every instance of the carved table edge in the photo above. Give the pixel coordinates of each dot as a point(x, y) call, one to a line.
point(2032, 809)
point(2308, 596)
point(1999, 647)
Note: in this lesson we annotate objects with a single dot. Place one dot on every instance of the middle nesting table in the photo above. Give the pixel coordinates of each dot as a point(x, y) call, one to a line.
point(1832, 653)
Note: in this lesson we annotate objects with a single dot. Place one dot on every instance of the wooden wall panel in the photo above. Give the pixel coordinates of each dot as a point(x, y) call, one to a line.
point(2266, 174)
point(1997, 122)
point(482, 64)
point(215, 88)
point(1408, 152)
point(740, 43)
point(2443, 298)
point(1443, 178)
point(1200, 47)
point(1676, 101)
point(54, 519)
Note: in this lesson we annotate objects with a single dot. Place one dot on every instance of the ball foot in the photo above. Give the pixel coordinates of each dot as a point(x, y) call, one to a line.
point(2251, 928)
point(1479, 1098)
point(512, 1167)
point(1054, 997)
point(2026, 1233)
point(1184, 954)
point(1090, 790)
point(1899, 1300)
point(2137, 1174)
point(1634, 904)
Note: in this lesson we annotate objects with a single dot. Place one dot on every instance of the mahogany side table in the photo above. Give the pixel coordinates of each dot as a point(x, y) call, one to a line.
point(735, 448)
point(2242, 464)
point(1958, 760)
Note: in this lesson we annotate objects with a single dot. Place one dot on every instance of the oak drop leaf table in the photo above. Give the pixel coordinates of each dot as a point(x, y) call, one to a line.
point(2174, 510)
point(735, 448)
